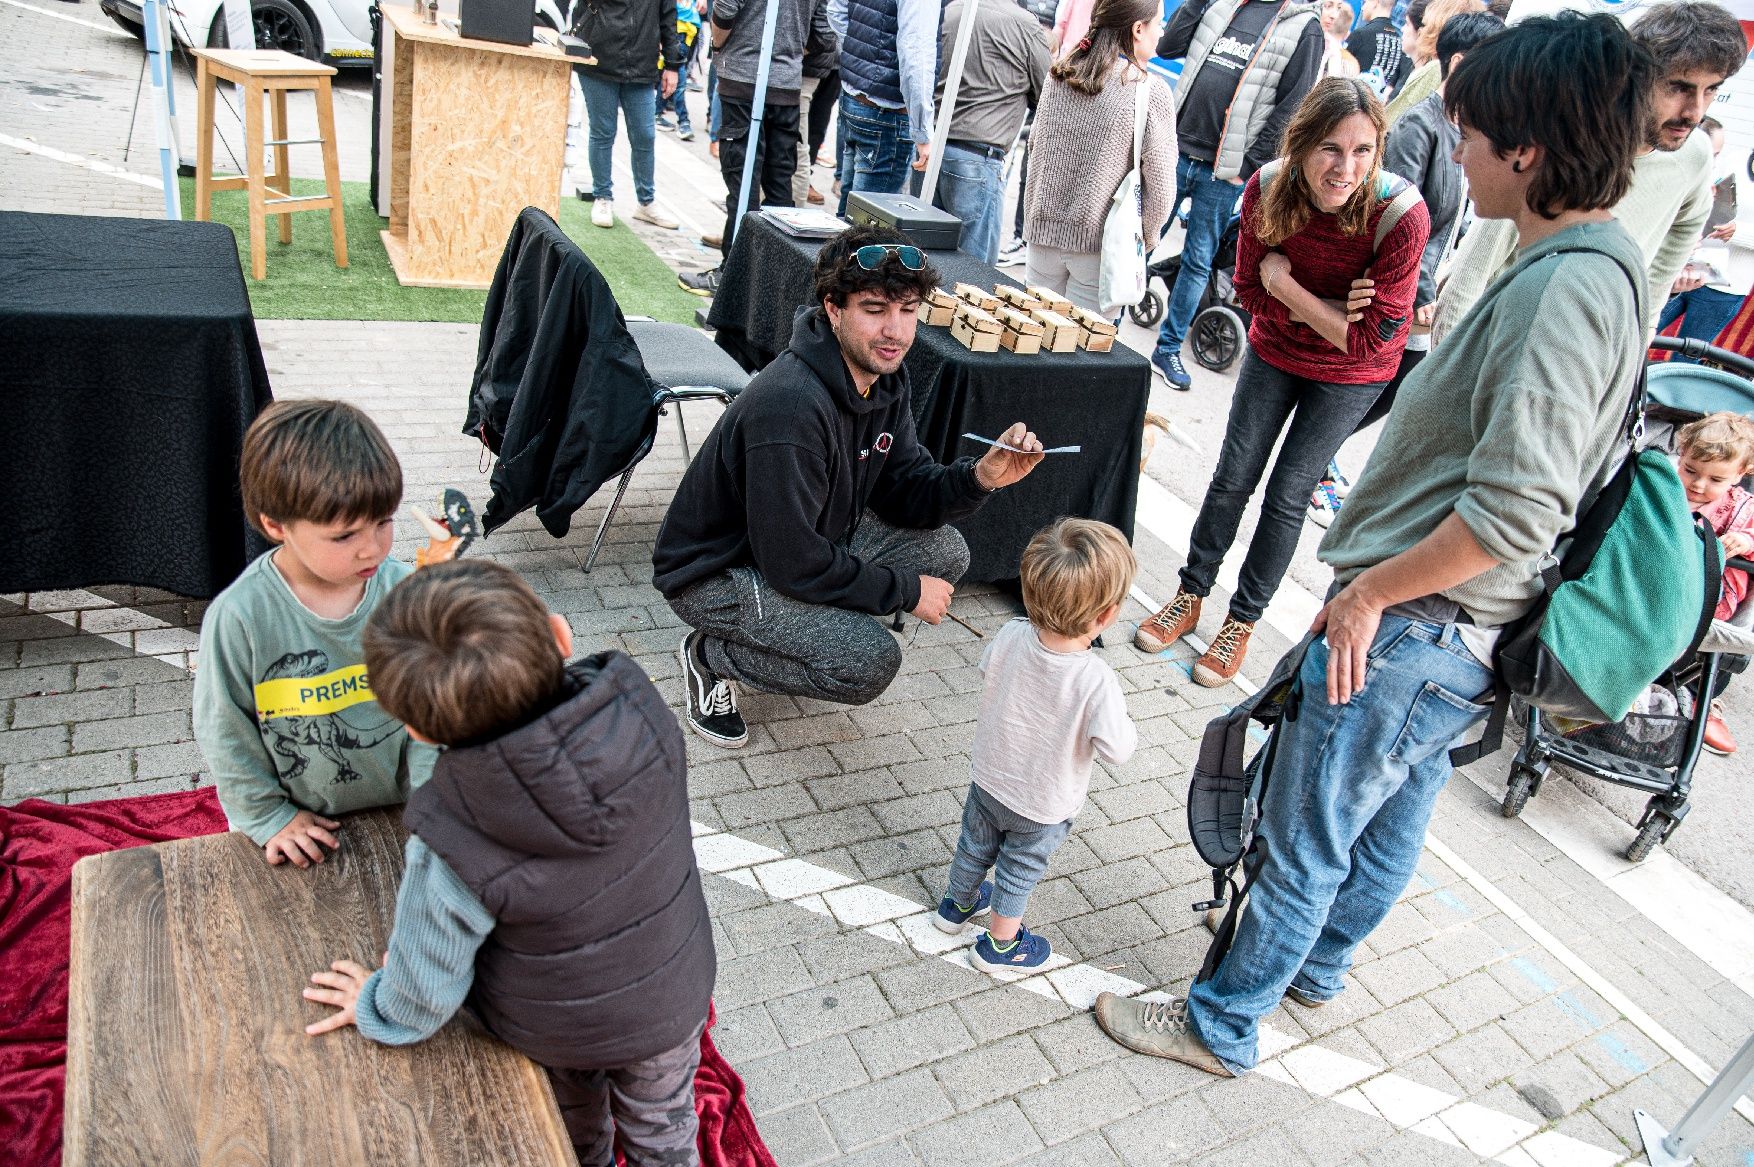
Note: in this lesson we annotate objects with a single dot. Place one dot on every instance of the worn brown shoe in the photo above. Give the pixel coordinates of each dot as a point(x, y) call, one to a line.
point(1172, 622)
point(1157, 1028)
point(1225, 656)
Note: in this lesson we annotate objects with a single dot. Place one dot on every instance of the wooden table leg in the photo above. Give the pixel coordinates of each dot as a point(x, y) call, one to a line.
point(253, 170)
point(282, 163)
point(204, 85)
point(332, 170)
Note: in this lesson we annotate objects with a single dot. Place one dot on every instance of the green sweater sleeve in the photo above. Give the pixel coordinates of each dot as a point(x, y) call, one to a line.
point(225, 727)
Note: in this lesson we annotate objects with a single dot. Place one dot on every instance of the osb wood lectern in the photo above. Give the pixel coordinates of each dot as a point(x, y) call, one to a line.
point(477, 133)
point(185, 1035)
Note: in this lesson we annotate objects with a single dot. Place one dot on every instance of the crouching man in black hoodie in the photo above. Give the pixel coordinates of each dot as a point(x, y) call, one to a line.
point(812, 508)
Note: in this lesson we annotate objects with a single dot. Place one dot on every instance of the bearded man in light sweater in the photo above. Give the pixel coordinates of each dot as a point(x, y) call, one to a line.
point(1497, 439)
point(1697, 46)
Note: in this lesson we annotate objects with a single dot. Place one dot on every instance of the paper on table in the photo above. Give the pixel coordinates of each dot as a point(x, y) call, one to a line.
point(1014, 449)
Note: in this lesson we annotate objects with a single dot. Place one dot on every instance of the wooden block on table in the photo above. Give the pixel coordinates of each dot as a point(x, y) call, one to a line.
point(979, 331)
point(1094, 333)
point(1021, 323)
point(1018, 298)
point(1059, 333)
point(1022, 343)
point(937, 307)
point(1051, 300)
point(979, 297)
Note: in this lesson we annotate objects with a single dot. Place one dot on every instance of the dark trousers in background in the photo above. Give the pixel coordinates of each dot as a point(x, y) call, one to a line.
point(776, 156)
point(649, 1103)
point(822, 106)
point(1322, 415)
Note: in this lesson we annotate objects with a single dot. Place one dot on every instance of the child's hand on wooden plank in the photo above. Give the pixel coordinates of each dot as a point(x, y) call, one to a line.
point(302, 840)
point(340, 986)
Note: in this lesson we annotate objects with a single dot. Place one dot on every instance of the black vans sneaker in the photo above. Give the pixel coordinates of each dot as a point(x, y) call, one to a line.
point(712, 702)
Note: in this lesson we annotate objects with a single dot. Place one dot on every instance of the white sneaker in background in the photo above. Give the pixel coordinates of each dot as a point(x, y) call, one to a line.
point(649, 213)
point(603, 213)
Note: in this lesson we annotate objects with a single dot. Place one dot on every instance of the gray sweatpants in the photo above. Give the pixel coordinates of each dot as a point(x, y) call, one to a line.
point(649, 1103)
point(776, 644)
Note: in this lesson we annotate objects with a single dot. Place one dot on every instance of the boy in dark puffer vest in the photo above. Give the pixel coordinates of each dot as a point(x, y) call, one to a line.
point(550, 875)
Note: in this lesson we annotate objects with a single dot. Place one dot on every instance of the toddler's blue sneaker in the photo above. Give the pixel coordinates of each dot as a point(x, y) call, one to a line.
point(950, 918)
point(1028, 951)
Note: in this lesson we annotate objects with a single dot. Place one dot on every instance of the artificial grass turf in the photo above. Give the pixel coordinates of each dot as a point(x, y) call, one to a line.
point(304, 284)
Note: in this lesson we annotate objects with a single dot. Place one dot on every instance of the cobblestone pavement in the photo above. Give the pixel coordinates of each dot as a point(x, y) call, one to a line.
point(1513, 1008)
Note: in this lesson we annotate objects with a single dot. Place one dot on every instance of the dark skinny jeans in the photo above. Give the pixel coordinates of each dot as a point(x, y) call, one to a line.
point(1322, 415)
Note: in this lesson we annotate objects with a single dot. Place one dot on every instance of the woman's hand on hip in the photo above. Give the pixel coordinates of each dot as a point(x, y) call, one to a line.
point(1362, 295)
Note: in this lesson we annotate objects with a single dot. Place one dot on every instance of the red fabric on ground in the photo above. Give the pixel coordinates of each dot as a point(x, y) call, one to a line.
point(39, 844)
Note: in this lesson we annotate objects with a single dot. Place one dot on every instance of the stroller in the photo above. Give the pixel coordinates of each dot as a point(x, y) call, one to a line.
point(1656, 747)
point(1220, 327)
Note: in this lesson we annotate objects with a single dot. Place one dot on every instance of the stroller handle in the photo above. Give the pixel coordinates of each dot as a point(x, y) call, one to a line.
point(1699, 350)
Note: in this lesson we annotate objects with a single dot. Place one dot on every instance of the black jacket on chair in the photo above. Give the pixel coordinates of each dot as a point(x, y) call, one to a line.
point(560, 393)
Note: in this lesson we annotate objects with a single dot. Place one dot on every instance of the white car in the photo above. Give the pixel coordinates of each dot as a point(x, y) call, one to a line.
point(336, 31)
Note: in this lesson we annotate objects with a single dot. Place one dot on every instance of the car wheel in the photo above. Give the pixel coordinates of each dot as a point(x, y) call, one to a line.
point(128, 26)
point(279, 25)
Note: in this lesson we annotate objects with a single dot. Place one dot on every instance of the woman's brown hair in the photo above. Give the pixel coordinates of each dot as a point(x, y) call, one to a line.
point(1087, 66)
point(1285, 206)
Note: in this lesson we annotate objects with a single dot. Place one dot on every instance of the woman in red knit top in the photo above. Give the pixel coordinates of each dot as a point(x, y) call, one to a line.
point(1330, 308)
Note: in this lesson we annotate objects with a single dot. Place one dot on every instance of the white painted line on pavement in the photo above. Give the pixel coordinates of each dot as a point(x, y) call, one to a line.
point(112, 29)
point(30, 147)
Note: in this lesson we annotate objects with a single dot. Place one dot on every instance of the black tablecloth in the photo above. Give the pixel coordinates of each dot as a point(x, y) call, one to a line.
point(129, 370)
point(1094, 400)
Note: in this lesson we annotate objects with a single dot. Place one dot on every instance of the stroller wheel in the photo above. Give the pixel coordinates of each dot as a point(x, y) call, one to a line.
point(1217, 334)
point(1649, 835)
point(1148, 311)
point(1516, 794)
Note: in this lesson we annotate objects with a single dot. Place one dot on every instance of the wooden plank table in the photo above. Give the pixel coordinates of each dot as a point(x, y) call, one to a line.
point(185, 1028)
point(477, 133)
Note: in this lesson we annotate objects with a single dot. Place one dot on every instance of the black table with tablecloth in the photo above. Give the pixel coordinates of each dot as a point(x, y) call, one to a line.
point(1093, 400)
point(129, 370)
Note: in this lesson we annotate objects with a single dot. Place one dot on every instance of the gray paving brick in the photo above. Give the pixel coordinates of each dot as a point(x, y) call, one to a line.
point(1089, 1151)
point(1476, 1060)
point(882, 1110)
point(1115, 928)
point(745, 1034)
point(798, 1137)
point(134, 789)
point(999, 1012)
point(1546, 1027)
point(836, 828)
point(1399, 975)
point(1413, 1150)
point(816, 730)
point(994, 1070)
point(164, 697)
point(1075, 1043)
point(42, 679)
point(889, 1047)
point(1115, 883)
point(30, 745)
point(830, 1009)
point(878, 858)
point(775, 925)
point(128, 671)
point(861, 753)
point(1079, 1102)
point(1123, 803)
point(1405, 1031)
point(802, 1073)
point(1472, 1001)
point(761, 976)
point(171, 759)
point(867, 787)
point(891, 1154)
point(59, 775)
point(1560, 1085)
point(1165, 1133)
point(847, 954)
point(1618, 1054)
point(121, 732)
point(928, 981)
point(993, 1134)
point(763, 806)
point(932, 809)
point(1124, 840)
point(65, 708)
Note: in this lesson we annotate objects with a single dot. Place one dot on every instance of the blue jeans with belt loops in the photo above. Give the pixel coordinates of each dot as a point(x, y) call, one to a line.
point(1343, 821)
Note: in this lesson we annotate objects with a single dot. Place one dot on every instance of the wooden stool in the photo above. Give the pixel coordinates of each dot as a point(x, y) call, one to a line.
point(260, 72)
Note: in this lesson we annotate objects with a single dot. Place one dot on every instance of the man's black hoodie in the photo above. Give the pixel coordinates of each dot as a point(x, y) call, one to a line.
point(785, 476)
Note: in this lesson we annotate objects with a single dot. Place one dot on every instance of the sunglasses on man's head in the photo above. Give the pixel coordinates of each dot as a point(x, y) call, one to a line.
point(870, 256)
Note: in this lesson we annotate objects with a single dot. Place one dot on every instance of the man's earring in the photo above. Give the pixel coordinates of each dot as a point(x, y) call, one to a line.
point(1516, 167)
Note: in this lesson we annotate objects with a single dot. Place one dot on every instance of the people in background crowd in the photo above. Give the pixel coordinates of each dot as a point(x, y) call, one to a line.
point(1494, 442)
point(1246, 66)
point(1710, 289)
point(1425, 19)
point(1083, 147)
point(1002, 79)
point(1329, 282)
point(801, 27)
point(888, 69)
point(1697, 46)
point(1337, 60)
point(1376, 45)
point(628, 38)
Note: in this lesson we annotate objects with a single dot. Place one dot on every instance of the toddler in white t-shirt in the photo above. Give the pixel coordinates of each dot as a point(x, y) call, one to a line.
point(1049, 707)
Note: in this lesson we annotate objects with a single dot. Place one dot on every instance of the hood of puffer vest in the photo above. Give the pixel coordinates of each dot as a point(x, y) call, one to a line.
point(548, 787)
point(814, 342)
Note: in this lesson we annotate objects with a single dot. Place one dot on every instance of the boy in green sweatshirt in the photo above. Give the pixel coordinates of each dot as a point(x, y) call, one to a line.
point(283, 707)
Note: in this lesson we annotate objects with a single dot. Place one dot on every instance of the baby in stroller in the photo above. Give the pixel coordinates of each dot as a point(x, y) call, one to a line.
point(1713, 455)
